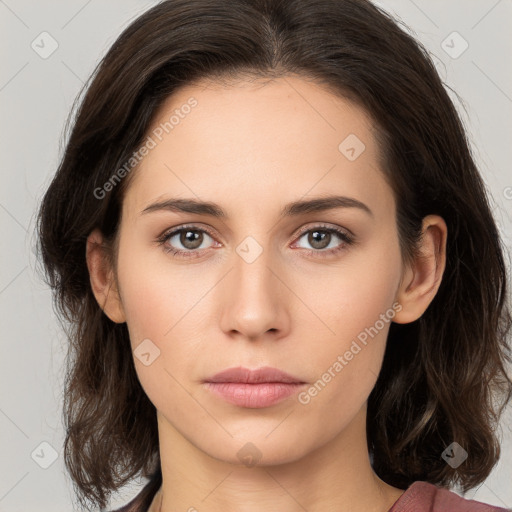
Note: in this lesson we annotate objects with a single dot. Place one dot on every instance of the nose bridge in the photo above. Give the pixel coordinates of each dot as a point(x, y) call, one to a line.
point(251, 273)
point(253, 306)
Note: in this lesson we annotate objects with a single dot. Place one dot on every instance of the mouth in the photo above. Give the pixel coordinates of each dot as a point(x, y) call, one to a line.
point(265, 374)
point(258, 388)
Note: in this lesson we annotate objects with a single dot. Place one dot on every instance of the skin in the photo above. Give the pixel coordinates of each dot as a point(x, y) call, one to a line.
point(252, 148)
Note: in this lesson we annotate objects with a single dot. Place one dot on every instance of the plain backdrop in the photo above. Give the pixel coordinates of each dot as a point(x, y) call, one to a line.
point(471, 45)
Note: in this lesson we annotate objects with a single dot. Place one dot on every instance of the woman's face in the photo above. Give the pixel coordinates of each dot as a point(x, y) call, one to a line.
point(266, 283)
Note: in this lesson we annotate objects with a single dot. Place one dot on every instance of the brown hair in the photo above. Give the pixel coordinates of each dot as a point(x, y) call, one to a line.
point(443, 377)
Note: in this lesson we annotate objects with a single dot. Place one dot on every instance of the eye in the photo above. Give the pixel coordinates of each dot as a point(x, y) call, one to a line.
point(190, 238)
point(193, 240)
point(323, 240)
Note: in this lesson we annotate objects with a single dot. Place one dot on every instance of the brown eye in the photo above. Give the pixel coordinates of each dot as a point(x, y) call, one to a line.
point(186, 241)
point(323, 240)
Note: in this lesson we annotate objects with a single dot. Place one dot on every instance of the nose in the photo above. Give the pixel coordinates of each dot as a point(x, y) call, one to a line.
point(255, 302)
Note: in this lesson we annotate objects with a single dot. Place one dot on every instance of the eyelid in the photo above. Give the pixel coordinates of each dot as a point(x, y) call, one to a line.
point(193, 227)
point(326, 226)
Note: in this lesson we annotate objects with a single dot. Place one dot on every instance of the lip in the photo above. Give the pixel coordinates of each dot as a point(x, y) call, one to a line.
point(257, 376)
point(257, 388)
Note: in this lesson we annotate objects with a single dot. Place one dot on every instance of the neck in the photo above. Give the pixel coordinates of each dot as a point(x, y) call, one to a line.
point(337, 475)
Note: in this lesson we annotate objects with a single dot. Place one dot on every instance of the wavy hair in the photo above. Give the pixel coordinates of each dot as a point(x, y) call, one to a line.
point(444, 377)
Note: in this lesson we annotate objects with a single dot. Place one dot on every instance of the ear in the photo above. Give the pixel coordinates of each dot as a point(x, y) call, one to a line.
point(102, 278)
point(422, 278)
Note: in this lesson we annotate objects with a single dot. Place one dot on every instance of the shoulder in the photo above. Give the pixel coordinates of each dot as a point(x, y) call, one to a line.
point(426, 497)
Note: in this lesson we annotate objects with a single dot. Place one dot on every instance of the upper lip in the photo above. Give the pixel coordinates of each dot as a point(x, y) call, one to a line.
point(259, 375)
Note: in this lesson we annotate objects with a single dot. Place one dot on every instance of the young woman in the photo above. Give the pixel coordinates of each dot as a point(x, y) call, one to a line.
point(285, 287)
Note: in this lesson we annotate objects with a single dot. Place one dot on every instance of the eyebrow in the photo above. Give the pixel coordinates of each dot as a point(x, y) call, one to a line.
point(293, 209)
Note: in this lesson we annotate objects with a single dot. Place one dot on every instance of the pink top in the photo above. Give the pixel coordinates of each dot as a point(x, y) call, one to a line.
point(425, 497)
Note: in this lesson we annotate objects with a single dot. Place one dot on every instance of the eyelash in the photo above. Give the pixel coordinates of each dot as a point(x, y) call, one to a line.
point(346, 239)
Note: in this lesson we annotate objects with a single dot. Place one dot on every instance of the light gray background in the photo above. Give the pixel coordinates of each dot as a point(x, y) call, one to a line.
point(36, 95)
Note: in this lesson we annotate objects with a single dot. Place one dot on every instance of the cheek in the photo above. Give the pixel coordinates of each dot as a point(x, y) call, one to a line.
point(154, 293)
point(358, 305)
point(163, 304)
point(351, 296)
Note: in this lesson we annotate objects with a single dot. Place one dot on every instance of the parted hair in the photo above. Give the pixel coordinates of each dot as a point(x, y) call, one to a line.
point(444, 377)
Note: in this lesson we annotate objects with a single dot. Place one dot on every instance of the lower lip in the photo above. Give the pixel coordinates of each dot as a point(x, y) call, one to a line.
point(253, 395)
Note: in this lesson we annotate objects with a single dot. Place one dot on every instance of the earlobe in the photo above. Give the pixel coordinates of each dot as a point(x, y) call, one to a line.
point(102, 279)
point(423, 276)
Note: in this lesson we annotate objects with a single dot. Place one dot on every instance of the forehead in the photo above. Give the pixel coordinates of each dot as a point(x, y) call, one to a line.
point(245, 140)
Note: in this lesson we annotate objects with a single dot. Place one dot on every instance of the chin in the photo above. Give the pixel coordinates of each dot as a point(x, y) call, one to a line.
point(258, 450)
